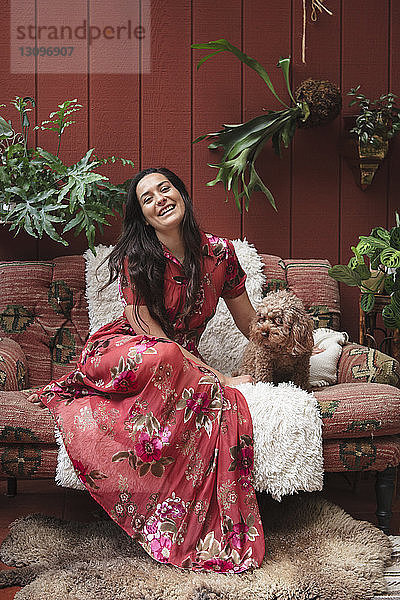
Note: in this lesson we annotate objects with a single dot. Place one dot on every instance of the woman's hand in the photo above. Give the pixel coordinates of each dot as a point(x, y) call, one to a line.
point(232, 381)
point(34, 399)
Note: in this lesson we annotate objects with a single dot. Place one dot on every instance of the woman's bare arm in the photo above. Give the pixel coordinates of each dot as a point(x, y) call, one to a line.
point(242, 312)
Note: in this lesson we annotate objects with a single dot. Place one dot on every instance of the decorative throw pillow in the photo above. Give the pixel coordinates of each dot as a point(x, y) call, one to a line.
point(313, 284)
point(13, 366)
point(324, 360)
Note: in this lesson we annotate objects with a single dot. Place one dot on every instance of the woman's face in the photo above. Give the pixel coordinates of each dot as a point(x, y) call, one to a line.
point(161, 203)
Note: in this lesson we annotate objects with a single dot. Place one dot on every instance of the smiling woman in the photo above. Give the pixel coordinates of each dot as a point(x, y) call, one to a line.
point(170, 450)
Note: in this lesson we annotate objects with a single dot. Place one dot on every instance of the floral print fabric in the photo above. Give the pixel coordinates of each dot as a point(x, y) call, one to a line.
point(157, 440)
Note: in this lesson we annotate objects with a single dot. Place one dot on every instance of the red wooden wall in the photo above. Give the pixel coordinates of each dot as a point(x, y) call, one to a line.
point(152, 113)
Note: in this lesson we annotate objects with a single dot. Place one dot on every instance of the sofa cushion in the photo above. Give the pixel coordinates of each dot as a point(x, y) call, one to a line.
point(13, 366)
point(43, 308)
point(361, 454)
point(359, 409)
point(274, 273)
point(368, 365)
point(310, 281)
point(23, 422)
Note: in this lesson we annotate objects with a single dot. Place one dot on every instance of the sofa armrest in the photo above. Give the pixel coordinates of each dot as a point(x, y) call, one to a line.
point(361, 364)
point(13, 366)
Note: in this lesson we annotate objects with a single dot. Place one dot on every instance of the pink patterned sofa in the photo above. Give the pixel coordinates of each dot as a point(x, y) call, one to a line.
point(44, 324)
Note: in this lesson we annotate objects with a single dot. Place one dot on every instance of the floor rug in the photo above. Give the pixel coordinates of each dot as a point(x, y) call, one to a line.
point(315, 551)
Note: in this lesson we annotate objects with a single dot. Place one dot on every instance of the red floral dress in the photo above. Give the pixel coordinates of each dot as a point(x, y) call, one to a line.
point(157, 440)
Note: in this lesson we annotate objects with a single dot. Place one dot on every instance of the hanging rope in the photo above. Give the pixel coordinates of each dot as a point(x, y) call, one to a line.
point(315, 5)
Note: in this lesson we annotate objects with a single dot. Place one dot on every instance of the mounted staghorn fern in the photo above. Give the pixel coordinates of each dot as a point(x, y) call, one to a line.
point(42, 195)
point(316, 102)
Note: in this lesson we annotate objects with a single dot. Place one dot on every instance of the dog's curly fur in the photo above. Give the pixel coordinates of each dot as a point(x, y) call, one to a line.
point(281, 341)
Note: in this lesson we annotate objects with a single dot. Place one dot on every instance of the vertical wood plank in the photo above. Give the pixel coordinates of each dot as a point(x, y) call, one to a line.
point(364, 62)
point(58, 79)
point(114, 90)
point(394, 86)
point(267, 37)
point(216, 100)
point(166, 90)
point(13, 83)
point(316, 162)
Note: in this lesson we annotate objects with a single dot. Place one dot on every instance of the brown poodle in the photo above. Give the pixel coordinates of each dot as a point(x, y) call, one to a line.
point(281, 341)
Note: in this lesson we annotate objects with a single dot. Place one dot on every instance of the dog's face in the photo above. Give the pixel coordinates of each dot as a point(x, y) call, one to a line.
point(282, 325)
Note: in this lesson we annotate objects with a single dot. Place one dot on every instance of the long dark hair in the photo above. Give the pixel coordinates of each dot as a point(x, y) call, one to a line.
point(146, 260)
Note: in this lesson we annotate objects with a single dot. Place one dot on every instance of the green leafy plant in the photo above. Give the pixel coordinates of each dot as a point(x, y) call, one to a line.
point(38, 192)
point(242, 143)
point(375, 266)
point(378, 119)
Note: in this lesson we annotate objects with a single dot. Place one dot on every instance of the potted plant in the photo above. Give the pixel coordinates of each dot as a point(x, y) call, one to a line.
point(377, 122)
point(38, 192)
point(375, 269)
point(313, 103)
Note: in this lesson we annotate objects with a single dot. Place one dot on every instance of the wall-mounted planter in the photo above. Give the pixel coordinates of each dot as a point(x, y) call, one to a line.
point(364, 159)
point(371, 158)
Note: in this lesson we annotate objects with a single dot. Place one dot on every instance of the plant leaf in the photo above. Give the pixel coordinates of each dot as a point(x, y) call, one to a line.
point(223, 45)
point(284, 64)
point(390, 258)
point(6, 131)
point(395, 238)
point(346, 275)
point(363, 271)
point(367, 302)
point(391, 320)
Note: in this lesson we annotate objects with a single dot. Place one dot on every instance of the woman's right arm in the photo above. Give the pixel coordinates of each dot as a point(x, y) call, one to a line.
point(148, 326)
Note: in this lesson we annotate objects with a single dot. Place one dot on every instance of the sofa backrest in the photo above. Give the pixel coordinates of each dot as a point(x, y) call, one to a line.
point(310, 281)
point(43, 308)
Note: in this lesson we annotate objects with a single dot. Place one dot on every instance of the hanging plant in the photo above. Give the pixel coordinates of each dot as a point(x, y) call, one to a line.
point(319, 102)
point(324, 101)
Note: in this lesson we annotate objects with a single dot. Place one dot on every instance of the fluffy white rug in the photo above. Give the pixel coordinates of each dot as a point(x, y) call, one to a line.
point(286, 421)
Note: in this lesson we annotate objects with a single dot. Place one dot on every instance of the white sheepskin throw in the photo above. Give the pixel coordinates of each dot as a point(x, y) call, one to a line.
point(104, 306)
point(287, 432)
point(65, 472)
